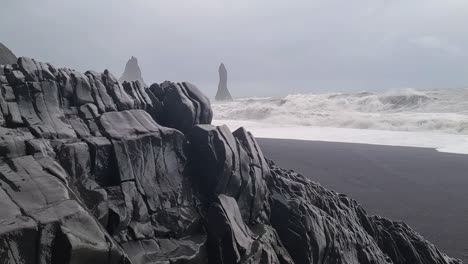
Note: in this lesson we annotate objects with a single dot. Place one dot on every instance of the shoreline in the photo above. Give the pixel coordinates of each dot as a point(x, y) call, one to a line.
point(409, 184)
point(441, 142)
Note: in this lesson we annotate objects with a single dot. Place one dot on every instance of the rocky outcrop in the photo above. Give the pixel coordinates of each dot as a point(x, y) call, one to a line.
point(231, 164)
point(6, 55)
point(88, 175)
point(93, 171)
point(183, 105)
point(233, 241)
point(338, 229)
point(223, 93)
point(132, 72)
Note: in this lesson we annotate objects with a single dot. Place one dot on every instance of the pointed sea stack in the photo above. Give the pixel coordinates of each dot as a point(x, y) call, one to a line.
point(223, 92)
point(132, 72)
point(6, 56)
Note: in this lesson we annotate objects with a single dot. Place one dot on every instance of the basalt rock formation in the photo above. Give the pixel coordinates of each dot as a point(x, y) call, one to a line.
point(132, 72)
point(93, 171)
point(6, 55)
point(223, 93)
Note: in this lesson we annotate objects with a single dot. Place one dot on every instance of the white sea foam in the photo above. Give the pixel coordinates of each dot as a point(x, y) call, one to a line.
point(443, 142)
point(404, 110)
point(434, 119)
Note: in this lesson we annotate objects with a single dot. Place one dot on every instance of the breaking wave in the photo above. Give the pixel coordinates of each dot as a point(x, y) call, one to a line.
point(443, 110)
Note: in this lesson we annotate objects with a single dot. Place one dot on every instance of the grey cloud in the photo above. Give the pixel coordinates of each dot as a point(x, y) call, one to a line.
point(269, 47)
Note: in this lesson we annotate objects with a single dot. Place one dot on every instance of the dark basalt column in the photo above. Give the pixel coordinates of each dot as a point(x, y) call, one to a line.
point(223, 92)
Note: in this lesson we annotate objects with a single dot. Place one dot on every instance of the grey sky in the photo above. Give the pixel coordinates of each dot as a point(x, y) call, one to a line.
point(270, 47)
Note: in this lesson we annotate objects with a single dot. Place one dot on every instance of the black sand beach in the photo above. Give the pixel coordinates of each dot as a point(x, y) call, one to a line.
point(422, 187)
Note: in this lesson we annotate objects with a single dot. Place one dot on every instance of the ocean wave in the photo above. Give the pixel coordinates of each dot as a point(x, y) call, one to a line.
point(443, 110)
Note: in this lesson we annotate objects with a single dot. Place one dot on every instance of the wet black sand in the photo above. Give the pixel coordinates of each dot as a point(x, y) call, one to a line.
point(423, 187)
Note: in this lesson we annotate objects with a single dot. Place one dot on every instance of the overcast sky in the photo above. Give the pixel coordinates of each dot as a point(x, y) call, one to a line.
point(270, 47)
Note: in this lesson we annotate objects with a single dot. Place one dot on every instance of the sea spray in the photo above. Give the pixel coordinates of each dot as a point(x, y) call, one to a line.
point(442, 110)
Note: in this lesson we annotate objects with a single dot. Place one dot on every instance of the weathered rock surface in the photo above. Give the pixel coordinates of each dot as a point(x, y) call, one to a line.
point(6, 55)
point(132, 72)
point(183, 105)
point(93, 171)
point(232, 241)
point(339, 230)
point(231, 164)
point(223, 93)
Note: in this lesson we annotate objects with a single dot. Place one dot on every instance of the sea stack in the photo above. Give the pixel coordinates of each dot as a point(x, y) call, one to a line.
point(132, 72)
point(6, 55)
point(223, 92)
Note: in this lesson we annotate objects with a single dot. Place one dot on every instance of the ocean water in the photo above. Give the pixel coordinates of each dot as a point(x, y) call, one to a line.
point(433, 118)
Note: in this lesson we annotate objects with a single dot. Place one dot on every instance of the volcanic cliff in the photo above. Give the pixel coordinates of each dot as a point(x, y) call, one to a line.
point(93, 171)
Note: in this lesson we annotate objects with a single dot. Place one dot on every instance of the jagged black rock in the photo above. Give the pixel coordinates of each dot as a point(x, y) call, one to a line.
point(95, 171)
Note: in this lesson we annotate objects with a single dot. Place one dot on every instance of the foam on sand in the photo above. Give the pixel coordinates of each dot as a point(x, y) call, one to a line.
point(443, 142)
point(432, 119)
